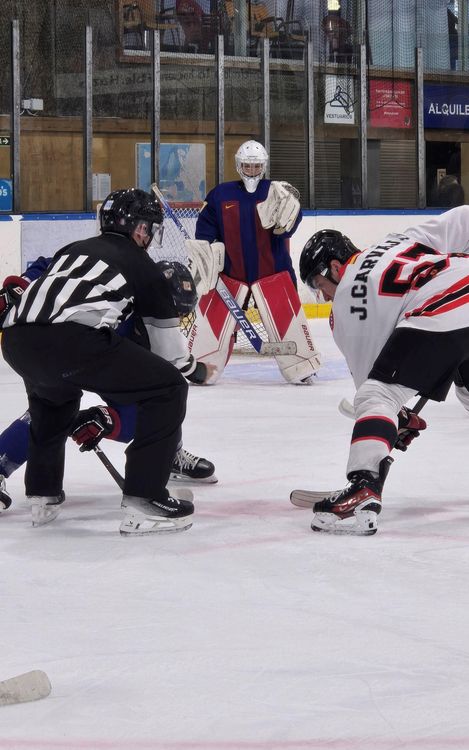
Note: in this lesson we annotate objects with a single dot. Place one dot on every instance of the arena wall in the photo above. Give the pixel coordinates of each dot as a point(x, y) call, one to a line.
point(24, 238)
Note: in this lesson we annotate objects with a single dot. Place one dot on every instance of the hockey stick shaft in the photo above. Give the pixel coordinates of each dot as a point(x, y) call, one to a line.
point(262, 347)
point(110, 467)
point(307, 498)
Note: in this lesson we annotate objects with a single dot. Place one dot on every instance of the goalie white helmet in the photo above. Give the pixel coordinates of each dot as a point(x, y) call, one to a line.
point(251, 162)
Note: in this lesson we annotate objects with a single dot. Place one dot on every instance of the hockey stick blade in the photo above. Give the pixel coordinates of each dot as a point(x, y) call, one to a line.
point(346, 409)
point(30, 686)
point(307, 498)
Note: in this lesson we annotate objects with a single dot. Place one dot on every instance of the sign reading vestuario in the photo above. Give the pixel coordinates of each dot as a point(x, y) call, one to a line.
point(446, 106)
point(339, 100)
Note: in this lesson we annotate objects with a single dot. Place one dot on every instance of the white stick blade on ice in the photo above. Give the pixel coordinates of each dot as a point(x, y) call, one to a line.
point(307, 498)
point(347, 409)
point(30, 686)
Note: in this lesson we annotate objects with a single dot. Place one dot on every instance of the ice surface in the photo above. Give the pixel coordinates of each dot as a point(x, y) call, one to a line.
point(248, 632)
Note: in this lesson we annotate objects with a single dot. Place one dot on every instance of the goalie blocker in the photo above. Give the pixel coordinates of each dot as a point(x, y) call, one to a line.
point(211, 336)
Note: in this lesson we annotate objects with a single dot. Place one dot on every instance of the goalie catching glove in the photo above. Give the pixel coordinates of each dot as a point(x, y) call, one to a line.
point(281, 207)
point(10, 294)
point(206, 261)
point(409, 426)
point(93, 424)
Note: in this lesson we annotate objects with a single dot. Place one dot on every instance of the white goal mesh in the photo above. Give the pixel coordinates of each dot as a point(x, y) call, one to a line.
point(174, 249)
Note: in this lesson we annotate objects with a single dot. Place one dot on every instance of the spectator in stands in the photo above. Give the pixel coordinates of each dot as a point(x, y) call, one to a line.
point(449, 193)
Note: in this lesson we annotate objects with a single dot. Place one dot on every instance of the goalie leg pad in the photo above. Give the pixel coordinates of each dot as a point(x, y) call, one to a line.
point(211, 336)
point(284, 320)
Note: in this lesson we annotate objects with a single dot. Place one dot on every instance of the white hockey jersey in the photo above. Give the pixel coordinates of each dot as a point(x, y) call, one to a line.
point(407, 280)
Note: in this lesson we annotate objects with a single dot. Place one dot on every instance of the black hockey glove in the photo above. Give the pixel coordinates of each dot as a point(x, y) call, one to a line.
point(409, 427)
point(93, 424)
point(13, 288)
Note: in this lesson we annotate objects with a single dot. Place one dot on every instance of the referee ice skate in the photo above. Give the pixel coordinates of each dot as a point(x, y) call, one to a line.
point(61, 339)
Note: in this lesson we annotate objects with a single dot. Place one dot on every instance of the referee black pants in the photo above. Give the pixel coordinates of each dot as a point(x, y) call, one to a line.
point(57, 362)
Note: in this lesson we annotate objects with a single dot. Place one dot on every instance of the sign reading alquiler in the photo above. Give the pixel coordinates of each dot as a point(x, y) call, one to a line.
point(446, 107)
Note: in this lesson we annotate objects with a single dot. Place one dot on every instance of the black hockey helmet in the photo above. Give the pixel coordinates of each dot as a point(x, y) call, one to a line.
point(179, 285)
point(321, 248)
point(124, 209)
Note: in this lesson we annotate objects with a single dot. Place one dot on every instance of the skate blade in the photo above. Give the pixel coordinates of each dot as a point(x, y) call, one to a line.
point(138, 525)
point(41, 515)
point(362, 523)
point(175, 477)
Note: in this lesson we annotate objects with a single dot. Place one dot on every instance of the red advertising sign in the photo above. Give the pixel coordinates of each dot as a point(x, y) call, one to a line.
point(390, 104)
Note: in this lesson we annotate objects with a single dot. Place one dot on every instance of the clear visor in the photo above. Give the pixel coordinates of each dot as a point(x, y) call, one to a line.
point(311, 281)
point(155, 231)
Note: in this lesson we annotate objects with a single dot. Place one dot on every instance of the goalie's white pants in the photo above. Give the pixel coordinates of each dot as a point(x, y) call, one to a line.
point(283, 318)
point(375, 400)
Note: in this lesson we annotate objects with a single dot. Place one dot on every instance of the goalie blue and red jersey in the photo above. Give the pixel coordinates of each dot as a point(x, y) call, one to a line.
point(251, 252)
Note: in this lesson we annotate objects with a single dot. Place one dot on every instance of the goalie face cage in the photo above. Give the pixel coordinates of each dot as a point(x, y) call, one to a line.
point(173, 248)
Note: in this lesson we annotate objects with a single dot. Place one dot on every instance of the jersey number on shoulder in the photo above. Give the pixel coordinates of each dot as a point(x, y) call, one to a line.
point(405, 272)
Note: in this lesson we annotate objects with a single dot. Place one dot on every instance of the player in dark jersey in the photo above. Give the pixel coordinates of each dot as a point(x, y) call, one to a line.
point(61, 338)
point(112, 421)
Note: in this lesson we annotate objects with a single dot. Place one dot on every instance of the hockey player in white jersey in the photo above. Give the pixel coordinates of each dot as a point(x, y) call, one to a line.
point(400, 316)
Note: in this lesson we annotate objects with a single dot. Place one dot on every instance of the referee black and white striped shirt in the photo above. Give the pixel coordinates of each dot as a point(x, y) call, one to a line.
point(98, 282)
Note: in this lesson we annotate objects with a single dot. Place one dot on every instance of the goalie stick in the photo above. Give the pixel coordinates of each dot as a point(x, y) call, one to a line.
point(30, 686)
point(261, 347)
point(307, 498)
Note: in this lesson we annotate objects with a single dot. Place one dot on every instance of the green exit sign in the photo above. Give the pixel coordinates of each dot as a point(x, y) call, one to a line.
point(5, 140)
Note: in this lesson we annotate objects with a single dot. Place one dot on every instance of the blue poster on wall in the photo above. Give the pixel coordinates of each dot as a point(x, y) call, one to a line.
point(6, 195)
point(446, 107)
point(182, 170)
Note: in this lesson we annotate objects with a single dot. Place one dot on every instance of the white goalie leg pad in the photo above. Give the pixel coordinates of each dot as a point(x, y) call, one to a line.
point(284, 320)
point(211, 336)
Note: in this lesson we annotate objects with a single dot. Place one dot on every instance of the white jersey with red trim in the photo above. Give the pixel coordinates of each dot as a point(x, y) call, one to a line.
point(400, 282)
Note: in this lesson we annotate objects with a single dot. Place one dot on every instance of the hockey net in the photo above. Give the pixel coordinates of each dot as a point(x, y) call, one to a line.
point(174, 249)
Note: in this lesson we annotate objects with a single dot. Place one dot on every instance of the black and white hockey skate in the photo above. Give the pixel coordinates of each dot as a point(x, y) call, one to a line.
point(143, 516)
point(5, 499)
point(353, 510)
point(45, 509)
point(189, 468)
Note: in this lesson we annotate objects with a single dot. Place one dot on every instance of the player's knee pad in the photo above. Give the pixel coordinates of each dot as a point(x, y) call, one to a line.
point(283, 317)
point(211, 335)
